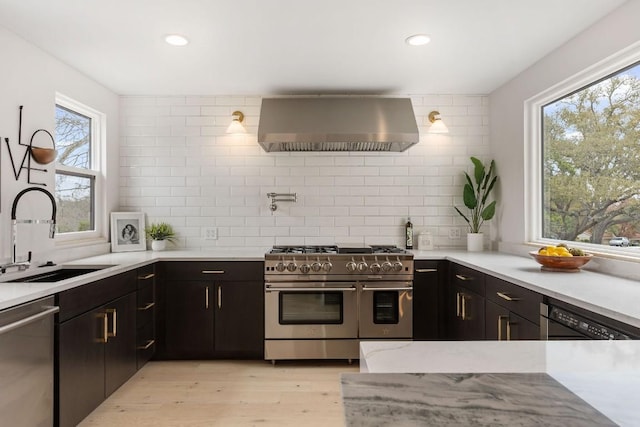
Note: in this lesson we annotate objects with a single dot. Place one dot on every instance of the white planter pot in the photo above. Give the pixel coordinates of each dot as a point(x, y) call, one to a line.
point(475, 242)
point(158, 245)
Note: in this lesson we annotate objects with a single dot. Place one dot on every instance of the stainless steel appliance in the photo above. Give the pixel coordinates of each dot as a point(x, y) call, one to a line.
point(26, 364)
point(320, 301)
point(562, 323)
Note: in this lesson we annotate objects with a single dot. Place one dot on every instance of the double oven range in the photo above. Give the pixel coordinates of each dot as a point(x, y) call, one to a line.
point(321, 301)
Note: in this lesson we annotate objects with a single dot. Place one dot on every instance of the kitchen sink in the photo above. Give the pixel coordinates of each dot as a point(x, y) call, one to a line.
point(60, 274)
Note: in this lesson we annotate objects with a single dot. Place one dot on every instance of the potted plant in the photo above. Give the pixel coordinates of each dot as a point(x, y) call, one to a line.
point(160, 233)
point(475, 197)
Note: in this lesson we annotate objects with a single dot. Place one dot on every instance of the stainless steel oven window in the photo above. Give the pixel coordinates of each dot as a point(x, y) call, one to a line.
point(304, 308)
point(385, 307)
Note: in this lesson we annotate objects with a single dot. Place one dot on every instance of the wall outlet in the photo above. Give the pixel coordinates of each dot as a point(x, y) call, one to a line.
point(210, 233)
point(454, 234)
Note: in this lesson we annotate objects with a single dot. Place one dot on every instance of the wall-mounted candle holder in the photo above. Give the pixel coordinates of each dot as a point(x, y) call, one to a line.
point(281, 197)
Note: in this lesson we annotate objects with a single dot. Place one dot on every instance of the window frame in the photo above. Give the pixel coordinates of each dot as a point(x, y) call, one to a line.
point(96, 171)
point(533, 156)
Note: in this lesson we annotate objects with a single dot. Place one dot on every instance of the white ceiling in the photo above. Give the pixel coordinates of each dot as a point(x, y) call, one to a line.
point(270, 47)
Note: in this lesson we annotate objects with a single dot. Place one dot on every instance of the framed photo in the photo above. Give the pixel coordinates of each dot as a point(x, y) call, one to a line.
point(127, 232)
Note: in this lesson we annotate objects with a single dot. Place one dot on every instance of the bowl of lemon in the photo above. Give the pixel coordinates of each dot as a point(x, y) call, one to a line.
point(561, 258)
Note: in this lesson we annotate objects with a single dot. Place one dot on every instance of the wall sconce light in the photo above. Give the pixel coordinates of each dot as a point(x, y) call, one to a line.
point(437, 125)
point(236, 124)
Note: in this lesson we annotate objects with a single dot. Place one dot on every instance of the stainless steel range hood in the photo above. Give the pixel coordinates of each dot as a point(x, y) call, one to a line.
point(337, 124)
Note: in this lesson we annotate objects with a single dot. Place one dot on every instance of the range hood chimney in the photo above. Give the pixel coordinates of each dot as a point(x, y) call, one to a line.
point(337, 124)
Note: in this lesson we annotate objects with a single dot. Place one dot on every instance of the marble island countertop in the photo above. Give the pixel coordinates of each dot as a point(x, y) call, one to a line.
point(495, 383)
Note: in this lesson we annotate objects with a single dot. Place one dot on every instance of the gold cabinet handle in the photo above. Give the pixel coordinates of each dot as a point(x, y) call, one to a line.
point(464, 307)
point(426, 270)
point(147, 306)
point(114, 321)
point(507, 297)
point(500, 319)
point(147, 277)
point(457, 304)
point(206, 298)
point(219, 297)
point(463, 277)
point(212, 271)
point(509, 329)
point(105, 327)
point(147, 345)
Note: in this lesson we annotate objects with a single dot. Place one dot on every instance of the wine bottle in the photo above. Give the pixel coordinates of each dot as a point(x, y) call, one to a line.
point(408, 229)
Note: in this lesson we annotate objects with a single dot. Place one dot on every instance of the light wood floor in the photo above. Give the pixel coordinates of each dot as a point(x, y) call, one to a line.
point(227, 393)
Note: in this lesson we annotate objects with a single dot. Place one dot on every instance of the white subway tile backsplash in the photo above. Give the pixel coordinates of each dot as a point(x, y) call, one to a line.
point(177, 164)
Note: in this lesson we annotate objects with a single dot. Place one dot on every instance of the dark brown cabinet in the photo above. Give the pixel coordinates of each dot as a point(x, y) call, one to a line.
point(188, 320)
point(95, 346)
point(239, 319)
point(504, 325)
point(145, 315)
point(428, 299)
point(512, 312)
point(465, 304)
point(211, 310)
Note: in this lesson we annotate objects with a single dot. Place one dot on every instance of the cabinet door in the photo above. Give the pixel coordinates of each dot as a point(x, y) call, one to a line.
point(120, 348)
point(426, 304)
point(468, 315)
point(501, 325)
point(239, 319)
point(188, 323)
point(81, 381)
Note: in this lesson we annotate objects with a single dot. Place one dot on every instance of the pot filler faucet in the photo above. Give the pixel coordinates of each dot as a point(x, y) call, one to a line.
point(23, 265)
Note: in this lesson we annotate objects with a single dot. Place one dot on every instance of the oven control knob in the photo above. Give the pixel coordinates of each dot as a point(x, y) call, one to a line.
point(316, 266)
point(304, 268)
point(292, 266)
point(375, 267)
point(386, 266)
point(351, 266)
point(362, 266)
point(327, 266)
point(397, 266)
point(280, 266)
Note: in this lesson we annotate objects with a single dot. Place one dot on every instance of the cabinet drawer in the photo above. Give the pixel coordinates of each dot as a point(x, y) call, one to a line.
point(146, 275)
point(516, 299)
point(146, 296)
point(468, 278)
point(213, 270)
point(87, 297)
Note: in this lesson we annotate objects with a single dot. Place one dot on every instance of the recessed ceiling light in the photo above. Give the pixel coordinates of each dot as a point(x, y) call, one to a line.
point(176, 40)
point(418, 40)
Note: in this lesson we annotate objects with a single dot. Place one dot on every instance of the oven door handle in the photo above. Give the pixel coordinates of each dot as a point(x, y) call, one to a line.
point(373, 288)
point(269, 289)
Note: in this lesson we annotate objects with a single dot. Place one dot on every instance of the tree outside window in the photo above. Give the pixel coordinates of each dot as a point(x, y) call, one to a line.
point(75, 177)
point(591, 162)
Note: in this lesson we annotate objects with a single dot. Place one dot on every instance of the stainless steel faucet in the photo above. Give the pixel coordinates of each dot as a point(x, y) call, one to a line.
point(23, 265)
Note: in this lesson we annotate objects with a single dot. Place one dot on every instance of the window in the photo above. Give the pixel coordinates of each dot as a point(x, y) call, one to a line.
point(78, 135)
point(589, 161)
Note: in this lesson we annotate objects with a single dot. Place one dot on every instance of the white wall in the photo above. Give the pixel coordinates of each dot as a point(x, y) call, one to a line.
point(608, 36)
point(178, 165)
point(30, 77)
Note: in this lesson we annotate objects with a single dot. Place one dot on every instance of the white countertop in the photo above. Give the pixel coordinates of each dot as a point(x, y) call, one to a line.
point(610, 296)
point(604, 294)
point(606, 374)
point(16, 293)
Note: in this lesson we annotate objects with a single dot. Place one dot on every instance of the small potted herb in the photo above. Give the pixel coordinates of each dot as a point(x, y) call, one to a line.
point(474, 196)
point(160, 233)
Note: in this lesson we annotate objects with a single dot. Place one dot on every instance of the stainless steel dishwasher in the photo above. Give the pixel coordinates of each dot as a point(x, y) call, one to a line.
point(26, 364)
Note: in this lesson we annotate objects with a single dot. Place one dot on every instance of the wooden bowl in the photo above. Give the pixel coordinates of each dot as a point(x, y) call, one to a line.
point(561, 263)
point(43, 155)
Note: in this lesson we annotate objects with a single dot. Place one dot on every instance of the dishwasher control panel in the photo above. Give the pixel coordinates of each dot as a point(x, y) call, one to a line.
point(590, 328)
